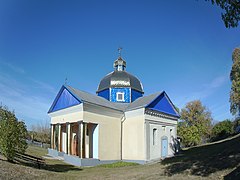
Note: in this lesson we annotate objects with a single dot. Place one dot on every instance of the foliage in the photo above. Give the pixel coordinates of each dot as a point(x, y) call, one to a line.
point(236, 125)
point(222, 130)
point(235, 78)
point(231, 14)
point(40, 133)
point(13, 134)
point(195, 127)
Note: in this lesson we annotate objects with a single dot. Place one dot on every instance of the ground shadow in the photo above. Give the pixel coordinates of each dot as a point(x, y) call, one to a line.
point(205, 160)
point(235, 174)
point(61, 167)
point(55, 167)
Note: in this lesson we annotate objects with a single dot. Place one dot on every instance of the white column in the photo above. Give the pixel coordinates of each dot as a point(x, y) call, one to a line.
point(52, 136)
point(80, 139)
point(59, 137)
point(68, 125)
point(86, 141)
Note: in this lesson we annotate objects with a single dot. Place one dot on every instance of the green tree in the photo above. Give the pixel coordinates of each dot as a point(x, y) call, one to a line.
point(195, 125)
point(236, 125)
point(222, 130)
point(235, 78)
point(41, 133)
point(12, 134)
point(231, 14)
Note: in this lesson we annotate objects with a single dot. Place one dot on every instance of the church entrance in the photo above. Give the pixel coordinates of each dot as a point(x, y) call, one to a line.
point(95, 141)
point(164, 146)
point(84, 140)
point(75, 145)
point(91, 141)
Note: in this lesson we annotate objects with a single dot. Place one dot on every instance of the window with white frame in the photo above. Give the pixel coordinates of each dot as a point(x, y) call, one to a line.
point(154, 136)
point(120, 96)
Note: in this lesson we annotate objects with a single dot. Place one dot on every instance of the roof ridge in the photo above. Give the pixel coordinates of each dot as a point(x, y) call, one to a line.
point(110, 104)
point(98, 100)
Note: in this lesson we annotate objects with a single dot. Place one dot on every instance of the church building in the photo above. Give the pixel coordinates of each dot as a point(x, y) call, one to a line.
point(119, 123)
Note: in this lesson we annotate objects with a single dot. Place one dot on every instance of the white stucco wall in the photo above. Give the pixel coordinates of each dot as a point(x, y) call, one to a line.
point(109, 135)
point(133, 136)
point(164, 128)
point(71, 114)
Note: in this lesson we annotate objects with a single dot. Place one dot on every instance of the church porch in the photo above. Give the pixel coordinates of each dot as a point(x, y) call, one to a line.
point(76, 143)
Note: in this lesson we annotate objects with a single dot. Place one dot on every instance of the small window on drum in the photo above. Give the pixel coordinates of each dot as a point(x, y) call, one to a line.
point(120, 96)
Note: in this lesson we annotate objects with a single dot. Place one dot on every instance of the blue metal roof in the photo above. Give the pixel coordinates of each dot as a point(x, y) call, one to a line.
point(64, 100)
point(69, 96)
point(163, 104)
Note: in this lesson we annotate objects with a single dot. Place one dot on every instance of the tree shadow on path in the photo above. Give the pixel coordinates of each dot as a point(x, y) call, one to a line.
point(207, 159)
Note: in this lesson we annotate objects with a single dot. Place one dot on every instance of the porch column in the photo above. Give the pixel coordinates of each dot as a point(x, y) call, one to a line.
point(86, 137)
point(59, 138)
point(68, 126)
point(52, 136)
point(84, 140)
point(80, 139)
point(66, 129)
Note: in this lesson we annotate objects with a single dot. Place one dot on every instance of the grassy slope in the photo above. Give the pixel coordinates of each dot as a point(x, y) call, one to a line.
point(212, 161)
point(222, 156)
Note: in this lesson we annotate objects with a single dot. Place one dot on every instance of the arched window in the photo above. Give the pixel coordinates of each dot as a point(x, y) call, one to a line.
point(154, 136)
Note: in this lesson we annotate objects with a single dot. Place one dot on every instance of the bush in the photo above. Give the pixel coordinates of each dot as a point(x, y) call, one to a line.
point(222, 130)
point(12, 134)
point(236, 125)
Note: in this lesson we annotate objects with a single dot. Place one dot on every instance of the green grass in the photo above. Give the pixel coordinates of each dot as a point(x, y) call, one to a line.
point(219, 160)
point(36, 151)
point(118, 164)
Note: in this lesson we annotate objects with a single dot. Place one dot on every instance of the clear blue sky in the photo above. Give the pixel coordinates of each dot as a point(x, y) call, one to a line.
point(181, 47)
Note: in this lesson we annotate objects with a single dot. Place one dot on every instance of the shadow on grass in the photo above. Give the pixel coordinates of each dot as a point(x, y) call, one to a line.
point(204, 160)
point(60, 167)
point(235, 174)
point(56, 167)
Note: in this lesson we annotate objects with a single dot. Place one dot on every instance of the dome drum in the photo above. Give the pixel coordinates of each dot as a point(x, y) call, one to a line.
point(117, 81)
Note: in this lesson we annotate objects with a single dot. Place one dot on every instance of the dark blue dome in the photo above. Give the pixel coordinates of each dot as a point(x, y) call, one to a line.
point(120, 79)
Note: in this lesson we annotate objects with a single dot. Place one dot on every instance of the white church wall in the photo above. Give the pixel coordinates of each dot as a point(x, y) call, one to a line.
point(157, 129)
point(71, 114)
point(133, 136)
point(155, 140)
point(160, 119)
point(101, 110)
point(109, 135)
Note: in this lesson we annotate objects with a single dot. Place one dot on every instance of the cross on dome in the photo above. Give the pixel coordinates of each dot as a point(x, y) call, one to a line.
point(119, 64)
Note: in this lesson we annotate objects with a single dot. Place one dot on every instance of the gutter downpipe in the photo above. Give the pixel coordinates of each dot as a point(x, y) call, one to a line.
point(121, 138)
